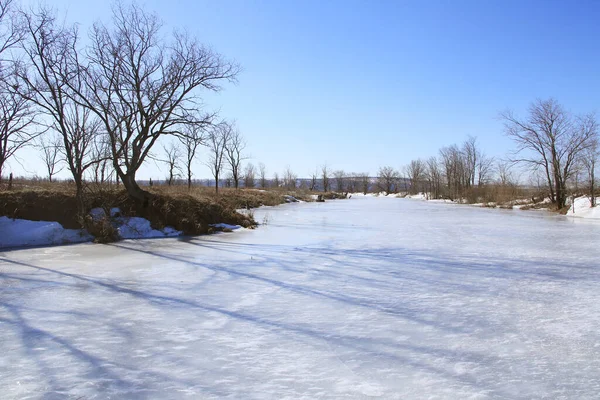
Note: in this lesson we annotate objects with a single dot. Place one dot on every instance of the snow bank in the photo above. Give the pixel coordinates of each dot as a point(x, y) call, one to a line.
point(134, 227)
point(22, 232)
point(582, 208)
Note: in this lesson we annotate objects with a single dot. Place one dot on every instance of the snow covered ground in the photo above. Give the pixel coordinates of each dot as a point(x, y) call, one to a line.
point(581, 209)
point(361, 298)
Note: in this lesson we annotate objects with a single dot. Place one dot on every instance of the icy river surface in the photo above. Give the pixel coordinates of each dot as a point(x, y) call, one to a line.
point(354, 299)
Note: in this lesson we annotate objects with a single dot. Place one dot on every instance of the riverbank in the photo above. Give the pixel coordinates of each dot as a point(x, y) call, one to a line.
point(34, 214)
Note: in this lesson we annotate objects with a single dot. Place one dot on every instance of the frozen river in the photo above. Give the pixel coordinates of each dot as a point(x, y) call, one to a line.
point(363, 298)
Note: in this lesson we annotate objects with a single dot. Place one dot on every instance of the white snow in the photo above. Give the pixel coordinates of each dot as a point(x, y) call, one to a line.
point(226, 226)
point(24, 233)
point(134, 227)
point(367, 298)
point(139, 228)
point(21, 232)
point(582, 208)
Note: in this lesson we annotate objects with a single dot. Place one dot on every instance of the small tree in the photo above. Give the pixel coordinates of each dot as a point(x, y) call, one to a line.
point(217, 143)
point(50, 146)
point(415, 171)
point(276, 182)
point(249, 176)
point(194, 135)
point(289, 178)
point(173, 154)
point(340, 180)
point(234, 155)
point(364, 183)
point(313, 181)
point(589, 159)
point(262, 171)
point(387, 179)
point(325, 177)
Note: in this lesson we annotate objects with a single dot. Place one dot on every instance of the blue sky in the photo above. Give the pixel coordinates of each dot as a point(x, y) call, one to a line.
point(362, 84)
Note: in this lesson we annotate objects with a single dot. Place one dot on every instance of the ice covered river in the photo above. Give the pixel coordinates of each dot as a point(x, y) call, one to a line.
point(363, 298)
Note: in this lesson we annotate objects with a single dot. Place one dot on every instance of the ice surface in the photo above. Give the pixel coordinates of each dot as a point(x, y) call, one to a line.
point(360, 298)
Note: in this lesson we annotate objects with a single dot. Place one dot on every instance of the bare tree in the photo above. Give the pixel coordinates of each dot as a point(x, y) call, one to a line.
point(387, 180)
point(276, 182)
point(589, 158)
point(340, 180)
point(364, 183)
point(234, 154)
point(194, 135)
point(314, 177)
point(143, 87)
point(17, 115)
point(505, 176)
point(289, 178)
point(17, 123)
point(217, 143)
point(50, 147)
point(262, 171)
point(551, 139)
point(173, 155)
point(102, 171)
point(415, 172)
point(249, 176)
point(325, 177)
point(485, 165)
point(434, 177)
point(49, 78)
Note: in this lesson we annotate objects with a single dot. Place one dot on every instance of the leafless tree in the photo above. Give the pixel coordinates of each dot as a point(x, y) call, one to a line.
point(262, 172)
point(415, 172)
point(234, 154)
point(217, 143)
point(289, 178)
point(589, 159)
point(387, 180)
point(102, 169)
point(551, 139)
point(485, 166)
point(194, 135)
point(505, 176)
point(434, 177)
point(143, 87)
point(364, 182)
point(11, 33)
point(249, 176)
point(276, 182)
point(340, 180)
point(453, 166)
point(173, 155)
point(17, 115)
point(48, 77)
point(325, 177)
point(17, 123)
point(51, 146)
point(314, 177)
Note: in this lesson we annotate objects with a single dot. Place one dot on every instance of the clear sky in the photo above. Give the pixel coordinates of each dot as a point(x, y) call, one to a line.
point(362, 84)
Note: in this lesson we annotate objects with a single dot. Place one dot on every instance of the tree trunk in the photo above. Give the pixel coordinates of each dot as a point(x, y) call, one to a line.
point(134, 191)
point(189, 178)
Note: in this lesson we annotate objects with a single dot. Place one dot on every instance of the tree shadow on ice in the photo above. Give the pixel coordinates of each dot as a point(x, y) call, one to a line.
point(40, 344)
point(396, 352)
